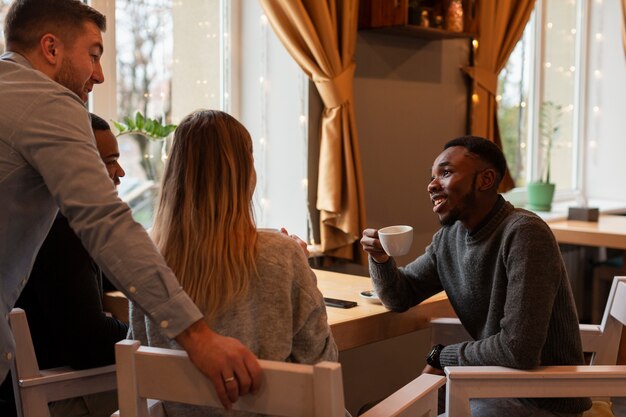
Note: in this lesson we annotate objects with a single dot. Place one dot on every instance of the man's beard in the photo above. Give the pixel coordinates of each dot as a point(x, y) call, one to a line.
point(462, 207)
point(66, 78)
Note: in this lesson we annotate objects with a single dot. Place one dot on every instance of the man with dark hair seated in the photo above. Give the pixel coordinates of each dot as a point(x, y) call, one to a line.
point(502, 271)
point(63, 302)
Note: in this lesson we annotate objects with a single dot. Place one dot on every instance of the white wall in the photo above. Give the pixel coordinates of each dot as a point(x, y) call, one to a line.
point(606, 130)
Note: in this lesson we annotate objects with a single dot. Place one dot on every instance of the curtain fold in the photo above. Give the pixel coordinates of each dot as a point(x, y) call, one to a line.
point(321, 35)
point(499, 26)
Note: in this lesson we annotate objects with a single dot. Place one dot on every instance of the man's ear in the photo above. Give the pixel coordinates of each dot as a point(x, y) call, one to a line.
point(49, 45)
point(487, 179)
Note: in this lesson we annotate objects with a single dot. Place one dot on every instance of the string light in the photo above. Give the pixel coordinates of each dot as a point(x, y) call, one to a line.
point(595, 92)
point(303, 120)
point(261, 149)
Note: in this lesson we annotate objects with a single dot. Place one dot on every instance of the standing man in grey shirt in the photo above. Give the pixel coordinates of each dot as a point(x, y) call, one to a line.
point(502, 271)
point(47, 160)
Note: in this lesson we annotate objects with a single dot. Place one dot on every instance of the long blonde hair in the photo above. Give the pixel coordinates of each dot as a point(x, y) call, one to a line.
point(204, 225)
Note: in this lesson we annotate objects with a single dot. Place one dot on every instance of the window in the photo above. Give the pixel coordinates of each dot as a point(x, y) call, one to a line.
point(4, 8)
point(172, 57)
point(540, 98)
point(167, 63)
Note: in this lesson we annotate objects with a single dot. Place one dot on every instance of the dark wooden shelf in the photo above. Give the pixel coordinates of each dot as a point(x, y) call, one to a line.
point(420, 32)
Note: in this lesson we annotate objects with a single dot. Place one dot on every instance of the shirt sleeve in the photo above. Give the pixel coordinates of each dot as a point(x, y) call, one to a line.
point(61, 148)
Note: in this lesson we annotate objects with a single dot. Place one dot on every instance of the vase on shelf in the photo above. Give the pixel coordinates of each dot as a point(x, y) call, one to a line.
point(454, 16)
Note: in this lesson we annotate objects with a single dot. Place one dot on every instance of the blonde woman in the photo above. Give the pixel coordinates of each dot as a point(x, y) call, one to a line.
point(252, 285)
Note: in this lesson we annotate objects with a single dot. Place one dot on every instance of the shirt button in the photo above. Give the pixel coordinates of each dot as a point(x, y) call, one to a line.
point(132, 290)
point(164, 324)
point(9, 355)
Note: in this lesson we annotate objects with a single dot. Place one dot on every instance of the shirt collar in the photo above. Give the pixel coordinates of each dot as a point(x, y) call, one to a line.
point(492, 213)
point(17, 58)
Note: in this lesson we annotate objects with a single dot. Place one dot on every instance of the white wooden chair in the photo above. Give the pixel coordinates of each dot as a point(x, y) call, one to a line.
point(34, 388)
point(603, 378)
point(287, 389)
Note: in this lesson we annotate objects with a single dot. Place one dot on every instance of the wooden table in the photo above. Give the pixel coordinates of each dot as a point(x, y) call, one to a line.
point(609, 231)
point(367, 323)
point(352, 327)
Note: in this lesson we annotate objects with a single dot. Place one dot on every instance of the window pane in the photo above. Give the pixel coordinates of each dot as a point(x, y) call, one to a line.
point(557, 111)
point(4, 8)
point(168, 64)
point(537, 98)
point(513, 106)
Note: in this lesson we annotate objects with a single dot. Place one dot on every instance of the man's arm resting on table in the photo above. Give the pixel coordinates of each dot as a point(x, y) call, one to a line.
point(221, 358)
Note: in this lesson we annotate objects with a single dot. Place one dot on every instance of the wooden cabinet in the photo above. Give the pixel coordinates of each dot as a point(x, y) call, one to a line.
point(418, 18)
point(383, 13)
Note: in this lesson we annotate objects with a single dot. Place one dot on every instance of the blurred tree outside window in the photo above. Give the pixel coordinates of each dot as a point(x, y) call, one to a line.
point(168, 64)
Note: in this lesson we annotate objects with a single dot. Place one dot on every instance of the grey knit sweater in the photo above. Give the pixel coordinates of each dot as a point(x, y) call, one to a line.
point(507, 283)
point(283, 317)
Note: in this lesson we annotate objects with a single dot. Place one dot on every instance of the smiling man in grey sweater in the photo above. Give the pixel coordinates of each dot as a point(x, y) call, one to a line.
point(502, 271)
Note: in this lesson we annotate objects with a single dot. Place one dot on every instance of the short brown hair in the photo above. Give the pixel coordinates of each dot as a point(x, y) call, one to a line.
point(28, 20)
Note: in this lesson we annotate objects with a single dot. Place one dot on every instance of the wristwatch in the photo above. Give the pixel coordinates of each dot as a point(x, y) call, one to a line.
point(433, 357)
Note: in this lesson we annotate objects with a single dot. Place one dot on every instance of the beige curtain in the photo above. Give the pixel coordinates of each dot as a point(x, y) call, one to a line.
point(498, 27)
point(321, 36)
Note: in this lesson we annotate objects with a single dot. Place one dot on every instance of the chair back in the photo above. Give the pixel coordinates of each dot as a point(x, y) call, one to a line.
point(603, 379)
point(34, 388)
point(24, 364)
point(603, 340)
point(287, 389)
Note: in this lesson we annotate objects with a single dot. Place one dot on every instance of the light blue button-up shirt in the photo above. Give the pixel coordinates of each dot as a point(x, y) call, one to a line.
point(48, 159)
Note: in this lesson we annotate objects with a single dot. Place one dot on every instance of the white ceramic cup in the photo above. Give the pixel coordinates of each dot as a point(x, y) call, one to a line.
point(396, 240)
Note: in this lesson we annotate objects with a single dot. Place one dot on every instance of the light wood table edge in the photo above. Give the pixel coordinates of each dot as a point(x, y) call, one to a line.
point(376, 328)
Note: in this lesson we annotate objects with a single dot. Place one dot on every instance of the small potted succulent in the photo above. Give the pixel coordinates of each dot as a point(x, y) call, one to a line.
point(541, 191)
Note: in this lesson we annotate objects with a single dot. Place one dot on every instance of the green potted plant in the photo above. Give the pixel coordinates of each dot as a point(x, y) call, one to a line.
point(541, 191)
point(150, 135)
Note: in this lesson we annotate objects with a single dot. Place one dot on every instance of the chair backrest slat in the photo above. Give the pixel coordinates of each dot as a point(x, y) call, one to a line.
point(618, 308)
point(611, 326)
point(26, 360)
point(287, 389)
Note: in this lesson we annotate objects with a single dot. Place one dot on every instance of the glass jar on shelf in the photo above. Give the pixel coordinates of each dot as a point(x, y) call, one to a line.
point(454, 16)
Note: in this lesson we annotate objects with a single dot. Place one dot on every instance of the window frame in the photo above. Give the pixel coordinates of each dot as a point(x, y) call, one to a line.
point(535, 96)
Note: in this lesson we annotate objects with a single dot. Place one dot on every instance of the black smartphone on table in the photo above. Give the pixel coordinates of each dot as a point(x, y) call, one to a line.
point(335, 302)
